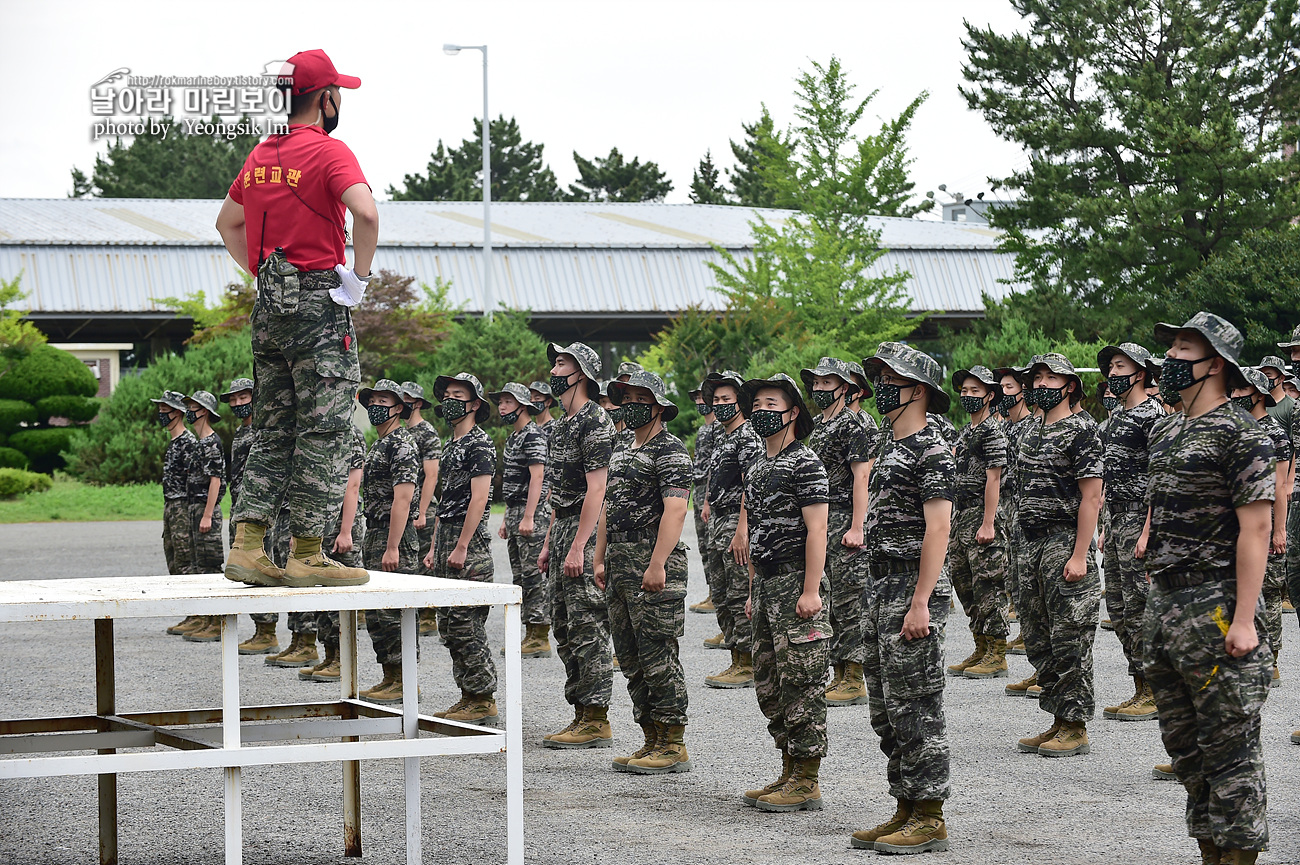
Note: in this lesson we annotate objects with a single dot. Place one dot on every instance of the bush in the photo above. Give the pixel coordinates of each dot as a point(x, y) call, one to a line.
point(14, 412)
point(43, 447)
point(12, 459)
point(77, 409)
point(15, 482)
point(47, 371)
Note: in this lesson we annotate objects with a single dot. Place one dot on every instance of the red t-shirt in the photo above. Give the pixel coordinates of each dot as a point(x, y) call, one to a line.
point(315, 167)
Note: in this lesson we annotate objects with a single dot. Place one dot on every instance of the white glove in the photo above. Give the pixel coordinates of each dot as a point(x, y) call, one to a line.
point(352, 289)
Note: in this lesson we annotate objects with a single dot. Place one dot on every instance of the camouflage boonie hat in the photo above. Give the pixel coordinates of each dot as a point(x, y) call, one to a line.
point(803, 424)
point(588, 362)
point(519, 392)
point(713, 379)
point(1295, 339)
point(236, 386)
point(384, 385)
point(697, 392)
point(412, 392)
point(981, 374)
point(829, 366)
point(1153, 369)
point(208, 401)
point(172, 399)
point(442, 382)
point(1221, 334)
point(1102, 387)
point(1272, 361)
point(651, 382)
point(544, 389)
point(1019, 373)
point(627, 367)
point(1059, 364)
point(1130, 350)
point(1256, 379)
point(860, 379)
point(911, 364)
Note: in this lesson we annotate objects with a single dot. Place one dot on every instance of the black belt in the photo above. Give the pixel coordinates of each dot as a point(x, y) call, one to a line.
point(565, 511)
point(632, 537)
point(778, 568)
point(1033, 533)
point(1126, 507)
point(962, 502)
point(1181, 581)
point(723, 512)
point(892, 567)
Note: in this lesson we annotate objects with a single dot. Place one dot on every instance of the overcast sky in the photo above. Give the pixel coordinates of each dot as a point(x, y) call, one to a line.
point(662, 80)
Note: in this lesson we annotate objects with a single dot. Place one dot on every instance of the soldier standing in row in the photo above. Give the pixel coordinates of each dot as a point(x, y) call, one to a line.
point(539, 393)
point(207, 486)
point(177, 534)
point(1014, 409)
point(430, 447)
point(704, 439)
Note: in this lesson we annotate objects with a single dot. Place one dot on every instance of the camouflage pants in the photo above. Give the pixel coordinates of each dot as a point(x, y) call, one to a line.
point(702, 544)
point(1293, 553)
point(730, 588)
point(305, 383)
point(1008, 536)
point(1274, 591)
point(385, 626)
point(465, 628)
point(1058, 621)
point(1126, 584)
point(791, 656)
point(646, 627)
point(327, 621)
point(979, 573)
point(209, 548)
point(1210, 706)
point(846, 568)
point(905, 683)
point(424, 538)
point(523, 553)
point(178, 541)
point(579, 621)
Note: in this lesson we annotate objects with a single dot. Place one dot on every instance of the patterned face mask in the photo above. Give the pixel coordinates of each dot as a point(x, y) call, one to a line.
point(637, 414)
point(1120, 384)
point(615, 414)
point(560, 384)
point(724, 411)
point(768, 422)
point(972, 404)
point(191, 416)
point(1110, 402)
point(538, 408)
point(379, 414)
point(1246, 402)
point(1048, 398)
point(164, 418)
point(825, 398)
point(242, 411)
point(511, 418)
point(703, 408)
point(889, 397)
point(1178, 374)
point(454, 409)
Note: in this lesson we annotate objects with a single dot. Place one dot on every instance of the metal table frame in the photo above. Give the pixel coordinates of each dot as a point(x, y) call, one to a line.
point(218, 738)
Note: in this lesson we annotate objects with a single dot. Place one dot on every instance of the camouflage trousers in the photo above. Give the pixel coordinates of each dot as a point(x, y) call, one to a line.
point(579, 621)
point(1126, 583)
point(646, 627)
point(1012, 542)
point(979, 573)
point(523, 553)
point(846, 568)
point(730, 587)
point(209, 548)
point(385, 626)
point(1293, 553)
point(1059, 621)
point(1273, 593)
point(465, 628)
point(791, 656)
point(277, 550)
point(905, 684)
point(702, 544)
point(1210, 706)
point(424, 538)
point(177, 538)
point(306, 373)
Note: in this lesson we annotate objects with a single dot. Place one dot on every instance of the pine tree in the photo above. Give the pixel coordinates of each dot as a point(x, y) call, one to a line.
point(704, 183)
point(762, 150)
point(456, 174)
point(611, 178)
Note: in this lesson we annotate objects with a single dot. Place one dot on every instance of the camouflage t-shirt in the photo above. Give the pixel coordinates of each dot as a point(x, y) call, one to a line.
point(240, 446)
point(839, 444)
point(1014, 432)
point(733, 453)
point(209, 462)
point(523, 448)
point(356, 449)
point(1051, 461)
point(1282, 450)
point(430, 448)
point(1295, 440)
point(705, 441)
point(908, 473)
point(1124, 440)
point(641, 477)
point(392, 460)
point(1202, 470)
point(181, 452)
point(945, 427)
point(579, 444)
point(470, 456)
point(623, 438)
point(777, 489)
point(979, 448)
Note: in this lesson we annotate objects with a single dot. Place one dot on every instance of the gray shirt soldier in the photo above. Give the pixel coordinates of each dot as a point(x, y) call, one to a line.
point(641, 563)
point(908, 522)
point(705, 437)
point(1275, 370)
point(1213, 480)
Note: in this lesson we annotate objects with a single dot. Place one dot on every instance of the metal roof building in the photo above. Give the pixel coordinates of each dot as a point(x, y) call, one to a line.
point(96, 268)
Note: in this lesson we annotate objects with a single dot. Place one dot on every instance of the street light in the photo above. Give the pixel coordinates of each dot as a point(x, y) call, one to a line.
point(489, 300)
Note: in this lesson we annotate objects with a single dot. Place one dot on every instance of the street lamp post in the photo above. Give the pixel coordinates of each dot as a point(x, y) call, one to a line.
point(489, 297)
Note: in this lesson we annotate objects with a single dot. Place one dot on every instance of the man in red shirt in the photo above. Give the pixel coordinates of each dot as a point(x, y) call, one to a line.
point(283, 219)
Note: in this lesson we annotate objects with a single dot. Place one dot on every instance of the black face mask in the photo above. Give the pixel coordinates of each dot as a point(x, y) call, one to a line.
point(703, 408)
point(330, 123)
point(1048, 398)
point(379, 414)
point(889, 397)
point(454, 409)
point(616, 415)
point(1246, 402)
point(242, 411)
point(164, 418)
point(768, 422)
point(972, 404)
point(825, 398)
point(560, 384)
point(725, 412)
point(637, 414)
point(1178, 374)
point(1120, 384)
point(539, 408)
point(191, 416)
point(1110, 403)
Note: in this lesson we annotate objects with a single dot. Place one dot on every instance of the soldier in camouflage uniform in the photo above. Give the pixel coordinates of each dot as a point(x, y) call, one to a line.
point(1059, 469)
point(1213, 480)
point(908, 524)
point(704, 438)
point(622, 435)
point(177, 534)
point(388, 490)
point(1014, 408)
point(735, 448)
point(462, 547)
point(641, 562)
point(577, 468)
point(1292, 349)
point(842, 442)
point(786, 497)
point(527, 512)
point(426, 439)
point(977, 558)
point(207, 486)
point(1125, 441)
point(1275, 370)
point(539, 393)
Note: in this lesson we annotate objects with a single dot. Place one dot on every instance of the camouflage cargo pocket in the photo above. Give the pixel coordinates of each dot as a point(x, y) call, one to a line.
point(809, 651)
point(664, 614)
point(336, 351)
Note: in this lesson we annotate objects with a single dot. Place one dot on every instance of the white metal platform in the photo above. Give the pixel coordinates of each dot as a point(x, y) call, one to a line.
point(230, 737)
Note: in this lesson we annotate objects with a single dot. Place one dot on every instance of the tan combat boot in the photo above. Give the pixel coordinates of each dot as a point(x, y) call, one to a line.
point(474, 709)
point(1210, 852)
point(837, 676)
point(247, 561)
point(994, 663)
point(208, 632)
point(537, 642)
point(262, 642)
point(1277, 671)
point(389, 690)
point(309, 566)
point(593, 732)
point(329, 669)
point(1238, 857)
point(1031, 744)
point(981, 646)
point(613, 662)
point(308, 673)
point(739, 675)
point(185, 625)
point(1142, 706)
point(704, 606)
point(751, 797)
point(669, 755)
point(852, 690)
point(1070, 741)
point(800, 792)
point(428, 623)
point(1017, 646)
point(1295, 738)
point(577, 719)
point(866, 838)
point(718, 642)
point(295, 640)
point(303, 656)
point(924, 833)
point(1163, 772)
point(1020, 689)
point(651, 731)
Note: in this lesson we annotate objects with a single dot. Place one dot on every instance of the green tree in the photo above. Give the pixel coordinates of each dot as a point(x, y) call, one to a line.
point(612, 178)
point(1156, 129)
point(763, 150)
point(174, 165)
point(456, 173)
point(705, 188)
point(394, 329)
point(17, 337)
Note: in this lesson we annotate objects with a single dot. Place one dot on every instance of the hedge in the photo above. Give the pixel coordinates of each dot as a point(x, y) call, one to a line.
point(78, 409)
point(43, 447)
point(47, 371)
point(15, 482)
point(12, 459)
point(14, 412)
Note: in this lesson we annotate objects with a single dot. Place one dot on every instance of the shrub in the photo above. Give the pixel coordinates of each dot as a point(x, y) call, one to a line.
point(14, 412)
point(43, 447)
point(15, 482)
point(78, 409)
point(12, 459)
point(47, 371)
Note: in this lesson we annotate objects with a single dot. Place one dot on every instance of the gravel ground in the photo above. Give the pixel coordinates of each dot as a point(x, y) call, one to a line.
point(1006, 807)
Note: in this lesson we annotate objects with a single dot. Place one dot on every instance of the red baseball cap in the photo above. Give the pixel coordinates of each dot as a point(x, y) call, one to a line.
point(312, 70)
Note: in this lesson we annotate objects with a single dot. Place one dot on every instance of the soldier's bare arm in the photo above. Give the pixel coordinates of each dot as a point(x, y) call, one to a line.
point(814, 518)
point(527, 527)
point(934, 546)
point(230, 225)
point(591, 508)
point(1252, 558)
point(1089, 507)
point(398, 516)
point(598, 558)
point(426, 492)
point(861, 476)
point(739, 547)
point(365, 226)
point(1278, 546)
point(992, 489)
point(670, 532)
point(343, 543)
